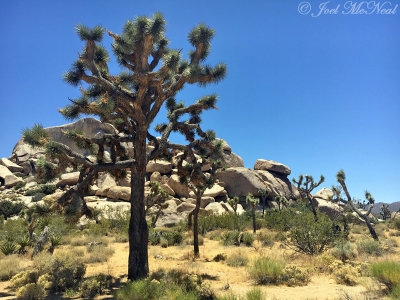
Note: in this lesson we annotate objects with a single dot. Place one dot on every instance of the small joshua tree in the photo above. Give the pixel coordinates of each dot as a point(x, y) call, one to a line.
point(341, 177)
point(155, 202)
point(264, 193)
point(281, 201)
point(252, 202)
point(385, 212)
point(233, 202)
point(306, 184)
point(189, 170)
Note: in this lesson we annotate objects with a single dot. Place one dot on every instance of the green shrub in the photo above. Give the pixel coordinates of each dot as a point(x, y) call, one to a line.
point(346, 274)
point(309, 236)
point(219, 257)
point(344, 250)
point(95, 286)
point(237, 259)
point(253, 294)
point(370, 247)
point(9, 209)
point(9, 266)
point(387, 272)
point(20, 185)
point(173, 237)
point(8, 247)
point(266, 271)
point(64, 271)
point(247, 238)
point(226, 220)
point(37, 197)
point(266, 239)
point(395, 293)
point(279, 220)
point(46, 189)
point(396, 224)
point(231, 238)
point(190, 241)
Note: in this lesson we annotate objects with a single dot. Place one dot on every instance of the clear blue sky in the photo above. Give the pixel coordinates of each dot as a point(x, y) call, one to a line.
point(317, 94)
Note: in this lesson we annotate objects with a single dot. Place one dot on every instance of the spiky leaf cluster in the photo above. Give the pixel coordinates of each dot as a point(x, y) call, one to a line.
point(36, 136)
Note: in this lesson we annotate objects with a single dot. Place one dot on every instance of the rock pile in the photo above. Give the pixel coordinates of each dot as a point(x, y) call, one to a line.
point(235, 180)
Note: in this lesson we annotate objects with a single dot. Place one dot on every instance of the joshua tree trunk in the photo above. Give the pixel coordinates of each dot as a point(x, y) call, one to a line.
point(196, 227)
point(313, 209)
point(138, 265)
point(253, 214)
point(371, 229)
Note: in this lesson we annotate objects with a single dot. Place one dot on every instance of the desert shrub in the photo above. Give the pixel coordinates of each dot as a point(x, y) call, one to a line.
point(294, 275)
point(19, 185)
point(64, 270)
point(346, 274)
point(279, 220)
point(41, 209)
point(9, 208)
point(173, 237)
point(37, 197)
point(387, 272)
point(237, 259)
point(8, 247)
point(227, 220)
point(46, 189)
point(98, 253)
point(23, 242)
point(309, 236)
point(370, 247)
point(266, 239)
point(247, 239)
point(344, 250)
point(231, 238)
point(95, 286)
point(389, 245)
point(396, 223)
point(219, 257)
point(9, 266)
point(31, 291)
point(266, 271)
point(140, 290)
point(164, 243)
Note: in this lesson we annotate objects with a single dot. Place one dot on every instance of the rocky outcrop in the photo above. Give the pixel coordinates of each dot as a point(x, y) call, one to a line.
point(272, 166)
point(119, 193)
point(161, 166)
point(68, 179)
point(215, 191)
point(180, 189)
point(10, 165)
point(240, 181)
point(278, 184)
point(7, 178)
point(91, 127)
point(323, 199)
point(228, 158)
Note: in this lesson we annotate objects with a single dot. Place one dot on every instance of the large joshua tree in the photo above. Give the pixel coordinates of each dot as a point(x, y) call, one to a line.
point(341, 178)
point(130, 101)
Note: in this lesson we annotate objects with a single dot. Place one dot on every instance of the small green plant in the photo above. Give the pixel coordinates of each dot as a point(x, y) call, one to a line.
point(163, 243)
point(294, 275)
point(8, 247)
point(396, 224)
point(95, 285)
point(20, 185)
point(46, 189)
point(344, 250)
point(237, 259)
point(266, 271)
point(346, 274)
point(231, 238)
point(387, 272)
point(98, 253)
point(395, 293)
point(370, 247)
point(247, 239)
point(253, 294)
point(37, 197)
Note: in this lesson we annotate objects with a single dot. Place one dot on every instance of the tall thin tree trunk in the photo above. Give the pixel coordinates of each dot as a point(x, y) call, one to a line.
point(371, 229)
point(253, 214)
point(196, 227)
point(312, 204)
point(138, 265)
